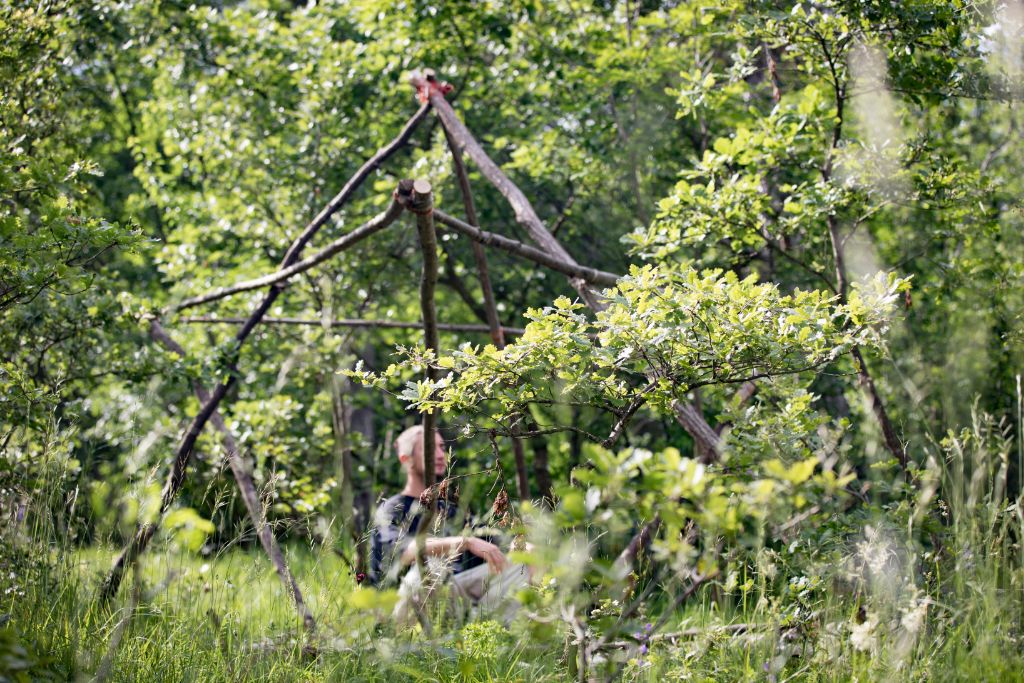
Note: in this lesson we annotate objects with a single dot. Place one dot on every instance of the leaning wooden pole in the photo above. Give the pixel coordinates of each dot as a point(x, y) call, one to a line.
point(570, 269)
point(433, 91)
point(144, 531)
point(283, 274)
point(246, 486)
point(490, 307)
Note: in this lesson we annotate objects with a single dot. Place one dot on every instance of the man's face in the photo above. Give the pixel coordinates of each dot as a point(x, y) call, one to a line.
point(440, 457)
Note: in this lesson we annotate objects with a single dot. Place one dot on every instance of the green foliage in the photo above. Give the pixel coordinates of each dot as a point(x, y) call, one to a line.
point(482, 640)
point(661, 334)
point(770, 177)
point(187, 528)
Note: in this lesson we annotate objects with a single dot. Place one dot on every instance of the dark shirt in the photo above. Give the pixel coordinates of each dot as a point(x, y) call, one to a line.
point(394, 526)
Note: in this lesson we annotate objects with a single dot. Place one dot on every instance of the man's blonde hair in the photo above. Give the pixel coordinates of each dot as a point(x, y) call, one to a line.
point(407, 439)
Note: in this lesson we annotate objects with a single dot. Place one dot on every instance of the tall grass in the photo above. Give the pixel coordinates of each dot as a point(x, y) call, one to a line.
point(922, 586)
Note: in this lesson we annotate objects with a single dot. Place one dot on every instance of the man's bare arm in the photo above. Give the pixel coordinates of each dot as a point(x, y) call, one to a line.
point(451, 545)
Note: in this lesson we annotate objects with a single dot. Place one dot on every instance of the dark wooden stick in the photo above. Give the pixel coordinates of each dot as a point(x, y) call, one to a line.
point(246, 485)
point(144, 531)
point(490, 308)
point(356, 323)
point(892, 441)
point(569, 268)
point(541, 471)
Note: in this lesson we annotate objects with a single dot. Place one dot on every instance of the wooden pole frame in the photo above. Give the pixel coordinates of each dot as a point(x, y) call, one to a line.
point(417, 198)
point(145, 530)
point(433, 91)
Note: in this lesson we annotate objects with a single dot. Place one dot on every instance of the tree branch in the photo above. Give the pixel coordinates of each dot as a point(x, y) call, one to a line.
point(382, 155)
point(375, 224)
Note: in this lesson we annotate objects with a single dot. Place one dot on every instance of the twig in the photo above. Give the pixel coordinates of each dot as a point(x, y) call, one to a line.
point(490, 308)
point(628, 414)
point(731, 629)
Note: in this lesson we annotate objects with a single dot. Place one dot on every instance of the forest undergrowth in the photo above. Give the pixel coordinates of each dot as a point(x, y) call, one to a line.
point(928, 588)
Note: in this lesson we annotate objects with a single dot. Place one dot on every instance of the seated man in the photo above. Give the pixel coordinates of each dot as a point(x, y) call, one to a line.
point(480, 574)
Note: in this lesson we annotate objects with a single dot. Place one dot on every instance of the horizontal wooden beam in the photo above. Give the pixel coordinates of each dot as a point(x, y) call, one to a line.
point(356, 323)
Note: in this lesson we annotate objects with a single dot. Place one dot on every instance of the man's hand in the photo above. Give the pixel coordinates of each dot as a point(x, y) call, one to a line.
point(487, 551)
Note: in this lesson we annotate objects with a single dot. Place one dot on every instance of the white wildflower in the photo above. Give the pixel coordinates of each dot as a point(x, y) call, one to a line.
point(862, 636)
point(913, 618)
